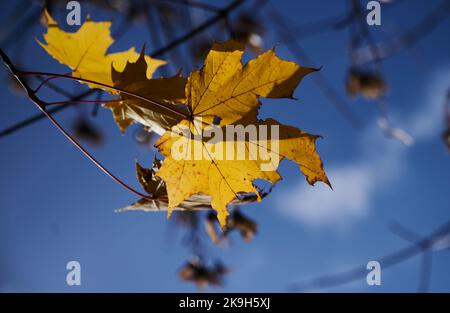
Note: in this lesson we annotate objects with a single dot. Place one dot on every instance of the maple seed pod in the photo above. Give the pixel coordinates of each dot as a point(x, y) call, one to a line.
point(86, 131)
point(370, 85)
point(210, 227)
point(243, 224)
point(198, 272)
point(236, 221)
point(186, 272)
point(249, 30)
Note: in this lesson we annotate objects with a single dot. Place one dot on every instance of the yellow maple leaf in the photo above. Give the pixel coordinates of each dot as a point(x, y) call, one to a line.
point(85, 51)
point(227, 90)
point(156, 106)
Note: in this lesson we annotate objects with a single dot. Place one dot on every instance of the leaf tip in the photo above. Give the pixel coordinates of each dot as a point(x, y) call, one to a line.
point(48, 18)
point(329, 183)
point(169, 212)
point(142, 54)
point(222, 216)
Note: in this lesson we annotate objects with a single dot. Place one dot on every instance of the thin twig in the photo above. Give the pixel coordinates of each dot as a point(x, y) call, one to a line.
point(82, 101)
point(128, 93)
point(42, 106)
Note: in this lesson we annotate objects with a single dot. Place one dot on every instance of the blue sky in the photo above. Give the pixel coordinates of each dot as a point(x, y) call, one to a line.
point(55, 206)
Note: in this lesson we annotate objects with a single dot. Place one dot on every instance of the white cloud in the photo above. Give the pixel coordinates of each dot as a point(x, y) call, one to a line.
point(320, 205)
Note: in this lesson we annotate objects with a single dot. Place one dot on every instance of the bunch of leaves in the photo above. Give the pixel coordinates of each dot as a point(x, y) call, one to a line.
point(223, 90)
point(366, 83)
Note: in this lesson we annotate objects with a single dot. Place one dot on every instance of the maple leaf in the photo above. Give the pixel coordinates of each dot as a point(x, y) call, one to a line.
point(149, 181)
point(156, 187)
point(156, 107)
point(85, 51)
point(227, 90)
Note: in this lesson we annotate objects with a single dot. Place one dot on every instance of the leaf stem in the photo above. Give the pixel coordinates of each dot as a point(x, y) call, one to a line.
point(81, 101)
point(131, 94)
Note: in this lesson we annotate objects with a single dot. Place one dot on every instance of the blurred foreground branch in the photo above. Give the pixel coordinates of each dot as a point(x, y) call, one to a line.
point(437, 240)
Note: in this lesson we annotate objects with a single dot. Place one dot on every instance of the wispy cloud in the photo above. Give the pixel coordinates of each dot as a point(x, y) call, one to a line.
point(320, 205)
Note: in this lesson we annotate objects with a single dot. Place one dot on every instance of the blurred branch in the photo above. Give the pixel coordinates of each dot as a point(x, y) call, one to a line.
point(409, 38)
point(404, 233)
point(151, 29)
point(326, 87)
point(426, 262)
point(331, 23)
point(425, 245)
point(193, 4)
point(20, 28)
point(223, 13)
point(40, 116)
point(374, 87)
point(446, 132)
point(365, 33)
point(425, 271)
